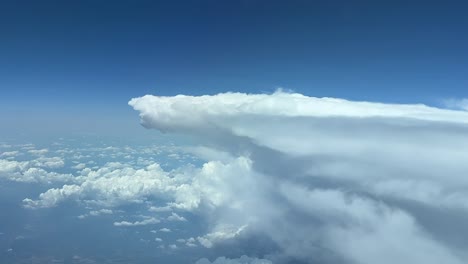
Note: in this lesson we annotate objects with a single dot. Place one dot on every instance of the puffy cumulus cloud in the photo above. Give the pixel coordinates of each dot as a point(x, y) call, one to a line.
point(7, 166)
point(176, 217)
point(38, 152)
point(79, 166)
point(32, 171)
point(110, 185)
point(242, 260)
point(52, 196)
point(173, 246)
point(326, 180)
point(40, 175)
point(187, 188)
point(189, 242)
point(48, 162)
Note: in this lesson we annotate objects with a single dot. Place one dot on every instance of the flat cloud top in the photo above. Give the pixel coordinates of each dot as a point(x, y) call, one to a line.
point(336, 181)
point(284, 104)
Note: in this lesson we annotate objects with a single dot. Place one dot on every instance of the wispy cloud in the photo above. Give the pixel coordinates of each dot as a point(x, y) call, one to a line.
point(460, 104)
point(149, 221)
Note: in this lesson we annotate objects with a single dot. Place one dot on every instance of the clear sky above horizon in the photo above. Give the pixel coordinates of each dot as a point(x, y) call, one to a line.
point(98, 54)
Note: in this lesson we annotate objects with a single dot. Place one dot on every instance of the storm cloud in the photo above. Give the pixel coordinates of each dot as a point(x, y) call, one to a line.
point(325, 180)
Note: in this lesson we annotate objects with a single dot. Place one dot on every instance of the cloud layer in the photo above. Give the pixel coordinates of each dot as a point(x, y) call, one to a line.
point(281, 178)
point(326, 180)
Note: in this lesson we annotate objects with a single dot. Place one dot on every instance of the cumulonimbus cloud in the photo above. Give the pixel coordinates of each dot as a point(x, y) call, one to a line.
point(330, 180)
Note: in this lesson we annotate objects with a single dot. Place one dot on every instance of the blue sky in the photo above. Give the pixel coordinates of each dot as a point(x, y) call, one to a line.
point(237, 171)
point(100, 54)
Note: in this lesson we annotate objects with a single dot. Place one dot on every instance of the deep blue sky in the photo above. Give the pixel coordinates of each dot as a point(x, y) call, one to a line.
point(93, 56)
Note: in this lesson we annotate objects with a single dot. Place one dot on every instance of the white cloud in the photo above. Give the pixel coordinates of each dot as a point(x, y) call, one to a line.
point(38, 152)
point(173, 246)
point(241, 260)
point(116, 184)
point(149, 221)
point(326, 180)
point(45, 162)
point(176, 217)
point(50, 198)
point(100, 212)
point(219, 234)
point(190, 242)
point(79, 166)
point(28, 146)
point(167, 113)
point(9, 153)
point(160, 209)
point(309, 171)
point(40, 175)
point(9, 167)
point(96, 213)
point(30, 171)
point(362, 229)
